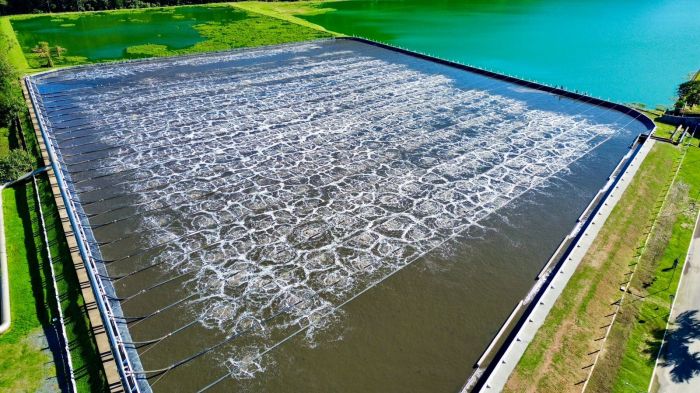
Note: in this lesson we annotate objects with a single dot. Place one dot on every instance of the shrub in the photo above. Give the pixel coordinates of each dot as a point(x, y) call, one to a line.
point(10, 99)
point(14, 164)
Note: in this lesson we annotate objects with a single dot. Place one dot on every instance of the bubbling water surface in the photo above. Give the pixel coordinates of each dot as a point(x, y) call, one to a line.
point(245, 196)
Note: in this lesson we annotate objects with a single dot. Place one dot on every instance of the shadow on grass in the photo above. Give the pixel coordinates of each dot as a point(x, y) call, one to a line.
point(89, 371)
point(677, 352)
point(13, 139)
point(37, 277)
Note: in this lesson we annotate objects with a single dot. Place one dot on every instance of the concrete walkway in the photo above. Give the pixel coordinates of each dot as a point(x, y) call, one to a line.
point(678, 366)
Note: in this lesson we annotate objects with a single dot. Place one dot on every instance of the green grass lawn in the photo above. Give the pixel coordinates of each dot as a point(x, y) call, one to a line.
point(565, 346)
point(86, 363)
point(8, 41)
point(645, 317)
point(554, 360)
point(22, 364)
point(289, 11)
point(664, 130)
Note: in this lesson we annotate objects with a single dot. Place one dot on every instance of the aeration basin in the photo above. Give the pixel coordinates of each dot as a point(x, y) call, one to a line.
point(322, 216)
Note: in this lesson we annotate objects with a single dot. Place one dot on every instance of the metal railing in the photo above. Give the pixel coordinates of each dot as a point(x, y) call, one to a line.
point(65, 356)
point(119, 351)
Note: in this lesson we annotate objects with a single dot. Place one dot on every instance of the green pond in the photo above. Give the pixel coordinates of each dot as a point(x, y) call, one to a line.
point(626, 50)
point(106, 35)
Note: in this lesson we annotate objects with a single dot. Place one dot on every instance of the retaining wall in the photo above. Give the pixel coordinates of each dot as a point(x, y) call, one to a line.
point(692, 121)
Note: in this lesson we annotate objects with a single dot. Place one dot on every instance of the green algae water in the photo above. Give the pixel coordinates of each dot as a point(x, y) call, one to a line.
point(107, 35)
point(628, 51)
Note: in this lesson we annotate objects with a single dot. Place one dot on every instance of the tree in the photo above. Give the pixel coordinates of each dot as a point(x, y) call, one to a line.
point(689, 93)
point(60, 51)
point(43, 50)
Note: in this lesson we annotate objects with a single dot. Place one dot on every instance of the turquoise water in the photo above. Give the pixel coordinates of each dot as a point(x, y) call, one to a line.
point(629, 51)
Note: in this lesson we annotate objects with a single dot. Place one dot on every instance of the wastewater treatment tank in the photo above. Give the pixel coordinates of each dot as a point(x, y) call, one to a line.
point(323, 216)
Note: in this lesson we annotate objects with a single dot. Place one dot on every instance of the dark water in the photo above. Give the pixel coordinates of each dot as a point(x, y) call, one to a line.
point(330, 216)
point(626, 50)
point(106, 35)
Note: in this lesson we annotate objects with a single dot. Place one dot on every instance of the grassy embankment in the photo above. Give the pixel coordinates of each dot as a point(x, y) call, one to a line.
point(14, 51)
point(261, 26)
point(24, 366)
point(628, 362)
point(289, 11)
point(559, 357)
point(23, 363)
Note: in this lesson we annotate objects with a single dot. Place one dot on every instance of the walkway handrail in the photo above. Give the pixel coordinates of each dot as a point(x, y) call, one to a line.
point(119, 351)
point(70, 377)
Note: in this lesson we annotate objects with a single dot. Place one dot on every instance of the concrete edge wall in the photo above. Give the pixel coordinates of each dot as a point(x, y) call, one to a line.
point(115, 315)
point(690, 121)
